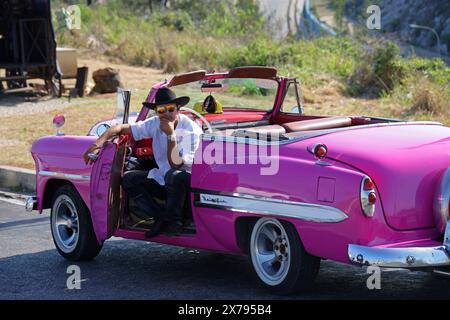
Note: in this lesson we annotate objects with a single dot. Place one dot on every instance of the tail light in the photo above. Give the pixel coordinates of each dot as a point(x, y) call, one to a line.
point(442, 202)
point(320, 151)
point(368, 196)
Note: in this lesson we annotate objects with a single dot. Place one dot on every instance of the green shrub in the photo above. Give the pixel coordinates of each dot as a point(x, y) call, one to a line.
point(435, 69)
point(378, 71)
point(174, 20)
point(222, 34)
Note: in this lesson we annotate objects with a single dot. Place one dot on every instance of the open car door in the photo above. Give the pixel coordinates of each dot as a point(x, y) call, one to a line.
point(105, 189)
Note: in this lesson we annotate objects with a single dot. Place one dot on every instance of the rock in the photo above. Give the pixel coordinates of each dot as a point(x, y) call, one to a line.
point(106, 80)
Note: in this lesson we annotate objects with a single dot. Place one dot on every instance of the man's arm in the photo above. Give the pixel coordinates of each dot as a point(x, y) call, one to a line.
point(117, 130)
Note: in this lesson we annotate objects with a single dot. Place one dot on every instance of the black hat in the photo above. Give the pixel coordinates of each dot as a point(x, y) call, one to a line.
point(166, 96)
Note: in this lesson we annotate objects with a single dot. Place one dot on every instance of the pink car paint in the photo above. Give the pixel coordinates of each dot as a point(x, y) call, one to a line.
point(406, 162)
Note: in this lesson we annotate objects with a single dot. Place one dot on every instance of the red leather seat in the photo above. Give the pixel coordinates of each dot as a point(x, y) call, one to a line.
point(317, 124)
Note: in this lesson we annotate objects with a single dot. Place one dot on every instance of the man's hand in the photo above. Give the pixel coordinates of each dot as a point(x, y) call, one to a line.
point(167, 126)
point(111, 132)
point(94, 149)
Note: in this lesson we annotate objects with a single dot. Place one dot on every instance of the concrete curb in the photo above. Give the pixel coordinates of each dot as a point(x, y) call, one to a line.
point(17, 179)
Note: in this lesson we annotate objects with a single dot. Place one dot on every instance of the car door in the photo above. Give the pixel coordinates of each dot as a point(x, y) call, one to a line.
point(105, 189)
point(106, 194)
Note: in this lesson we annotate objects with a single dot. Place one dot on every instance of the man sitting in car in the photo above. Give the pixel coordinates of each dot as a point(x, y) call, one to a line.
point(175, 140)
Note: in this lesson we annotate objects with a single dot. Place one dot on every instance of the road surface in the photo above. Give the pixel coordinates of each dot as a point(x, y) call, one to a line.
point(31, 268)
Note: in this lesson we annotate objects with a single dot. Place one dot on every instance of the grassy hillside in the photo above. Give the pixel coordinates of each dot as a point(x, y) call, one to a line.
point(217, 35)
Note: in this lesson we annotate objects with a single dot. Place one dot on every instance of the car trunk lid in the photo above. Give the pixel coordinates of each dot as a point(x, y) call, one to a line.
point(406, 162)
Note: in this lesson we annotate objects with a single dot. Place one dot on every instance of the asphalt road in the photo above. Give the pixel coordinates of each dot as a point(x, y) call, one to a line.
point(31, 268)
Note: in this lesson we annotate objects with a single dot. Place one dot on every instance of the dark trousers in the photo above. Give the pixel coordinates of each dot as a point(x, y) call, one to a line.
point(143, 191)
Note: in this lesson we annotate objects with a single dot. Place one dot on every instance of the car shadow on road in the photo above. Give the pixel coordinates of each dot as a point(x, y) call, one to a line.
point(128, 269)
point(24, 222)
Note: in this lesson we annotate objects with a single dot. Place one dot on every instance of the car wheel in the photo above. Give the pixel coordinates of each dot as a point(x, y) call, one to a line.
point(71, 226)
point(279, 259)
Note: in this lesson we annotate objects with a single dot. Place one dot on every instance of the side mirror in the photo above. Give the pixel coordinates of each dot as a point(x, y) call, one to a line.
point(296, 109)
point(58, 122)
point(102, 129)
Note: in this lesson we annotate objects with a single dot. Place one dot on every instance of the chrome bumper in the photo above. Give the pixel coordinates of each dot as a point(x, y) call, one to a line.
point(414, 257)
point(31, 204)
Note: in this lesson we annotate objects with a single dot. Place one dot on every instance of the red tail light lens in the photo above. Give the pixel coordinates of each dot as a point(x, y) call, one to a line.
point(372, 198)
point(368, 185)
point(320, 151)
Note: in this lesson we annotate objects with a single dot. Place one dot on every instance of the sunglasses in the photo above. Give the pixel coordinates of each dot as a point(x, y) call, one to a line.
point(163, 109)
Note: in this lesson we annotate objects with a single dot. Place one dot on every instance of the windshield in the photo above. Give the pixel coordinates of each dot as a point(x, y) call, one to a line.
point(232, 92)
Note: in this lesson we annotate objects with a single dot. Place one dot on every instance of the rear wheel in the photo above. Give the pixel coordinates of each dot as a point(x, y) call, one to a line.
point(71, 226)
point(279, 259)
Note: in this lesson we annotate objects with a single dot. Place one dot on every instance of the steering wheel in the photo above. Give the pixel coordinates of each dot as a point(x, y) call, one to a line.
point(195, 113)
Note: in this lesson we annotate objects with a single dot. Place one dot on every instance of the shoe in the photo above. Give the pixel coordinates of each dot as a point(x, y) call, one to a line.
point(156, 228)
point(138, 213)
point(173, 229)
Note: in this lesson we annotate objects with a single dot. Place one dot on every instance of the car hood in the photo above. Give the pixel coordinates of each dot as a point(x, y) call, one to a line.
point(406, 162)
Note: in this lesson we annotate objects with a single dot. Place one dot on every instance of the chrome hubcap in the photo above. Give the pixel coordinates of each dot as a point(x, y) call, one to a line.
point(65, 223)
point(270, 251)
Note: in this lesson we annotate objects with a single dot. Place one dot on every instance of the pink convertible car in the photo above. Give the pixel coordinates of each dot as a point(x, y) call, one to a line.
point(269, 181)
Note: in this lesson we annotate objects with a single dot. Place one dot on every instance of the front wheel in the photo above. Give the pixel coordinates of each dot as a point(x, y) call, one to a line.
point(279, 259)
point(71, 226)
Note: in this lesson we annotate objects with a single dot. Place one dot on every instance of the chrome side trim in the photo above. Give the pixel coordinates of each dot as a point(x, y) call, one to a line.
point(251, 204)
point(64, 175)
point(415, 257)
point(441, 273)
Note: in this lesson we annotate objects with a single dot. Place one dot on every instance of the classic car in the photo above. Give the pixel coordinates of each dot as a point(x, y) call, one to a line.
point(286, 188)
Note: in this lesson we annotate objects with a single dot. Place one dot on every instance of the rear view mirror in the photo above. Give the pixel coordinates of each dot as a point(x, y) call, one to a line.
point(212, 87)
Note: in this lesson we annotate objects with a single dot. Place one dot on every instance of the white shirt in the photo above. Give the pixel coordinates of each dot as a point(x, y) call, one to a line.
point(188, 139)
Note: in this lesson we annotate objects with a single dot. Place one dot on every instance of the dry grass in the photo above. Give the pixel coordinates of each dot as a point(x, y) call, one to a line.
point(428, 99)
point(18, 132)
point(19, 129)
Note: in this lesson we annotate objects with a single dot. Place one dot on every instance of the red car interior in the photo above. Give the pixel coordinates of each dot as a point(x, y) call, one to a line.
point(293, 128)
